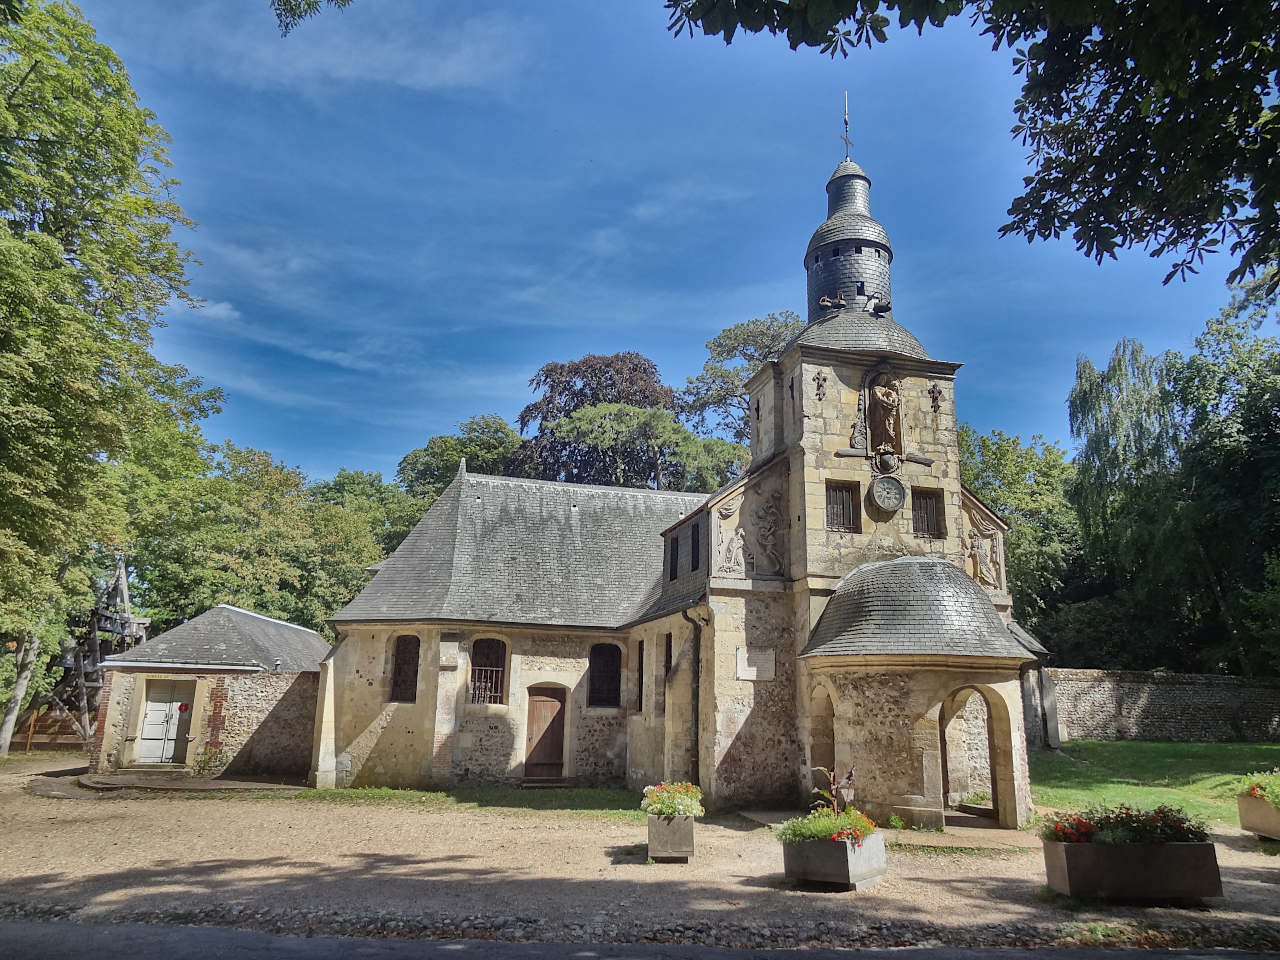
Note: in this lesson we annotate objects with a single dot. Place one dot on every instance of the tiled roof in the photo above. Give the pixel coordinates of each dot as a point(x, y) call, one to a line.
point(228, 635)
point(911, 605)
point(507, 550)
point(854, 329)
point(1028, 640)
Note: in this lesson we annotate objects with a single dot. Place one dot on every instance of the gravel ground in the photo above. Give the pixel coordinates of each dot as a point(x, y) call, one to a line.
point(292, 866)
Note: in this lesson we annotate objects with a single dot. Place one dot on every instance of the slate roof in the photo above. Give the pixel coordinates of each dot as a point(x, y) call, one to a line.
point(911, 605)
point(228, 635)
point(854, 329)
point(507, 550)
point(1028, 640)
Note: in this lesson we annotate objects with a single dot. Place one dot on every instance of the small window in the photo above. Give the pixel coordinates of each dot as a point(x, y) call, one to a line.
point(860, 288)
point(488, 671)
point(695, 546)
point(857, 249)
point(673, 559)
point(844, 507)
point(604, 676)
point(835, 252)
point(666, 658)
point(926, 513)
point(404, 670)
point(640, 677)
point(877, 253)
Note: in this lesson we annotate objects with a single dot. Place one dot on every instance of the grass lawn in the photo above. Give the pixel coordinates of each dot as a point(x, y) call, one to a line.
point(17, 755)
point(594, 802)
point(1199, 777)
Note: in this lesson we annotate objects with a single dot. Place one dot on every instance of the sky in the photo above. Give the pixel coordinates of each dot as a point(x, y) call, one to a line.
point(406, 207)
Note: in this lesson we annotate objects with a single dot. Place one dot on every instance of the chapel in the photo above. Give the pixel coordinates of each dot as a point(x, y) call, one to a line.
point(841, 604)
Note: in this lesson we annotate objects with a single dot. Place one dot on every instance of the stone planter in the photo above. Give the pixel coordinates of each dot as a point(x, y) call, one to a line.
point(836, 862)
point(671, 838)
point(1259, 816)
point(1135, 871)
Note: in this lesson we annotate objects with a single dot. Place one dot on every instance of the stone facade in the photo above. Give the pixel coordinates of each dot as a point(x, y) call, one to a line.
point(242, 723)
point(1186, 707)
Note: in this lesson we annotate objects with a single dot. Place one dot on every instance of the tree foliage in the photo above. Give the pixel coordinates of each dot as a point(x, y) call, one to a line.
point(487, 442)
point(1149, 124)
point(626, 378)
point(716, 397)
point(1026, 484)
point(648, 448)
point(390, 510)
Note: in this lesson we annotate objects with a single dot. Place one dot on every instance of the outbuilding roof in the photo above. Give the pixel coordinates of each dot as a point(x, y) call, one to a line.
point(509, 550)
point(229, 636)
point(911, 606)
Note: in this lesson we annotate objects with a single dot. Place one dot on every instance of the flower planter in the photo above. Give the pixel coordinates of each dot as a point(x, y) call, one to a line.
point(1136, 871)
point(1257, 815)
point(836, 862)
point(671, 838)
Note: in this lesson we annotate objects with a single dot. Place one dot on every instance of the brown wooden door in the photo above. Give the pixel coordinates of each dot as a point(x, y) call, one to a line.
point(544, 734)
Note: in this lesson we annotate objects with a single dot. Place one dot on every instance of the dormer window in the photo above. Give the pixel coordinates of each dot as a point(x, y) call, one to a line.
point(674, 570)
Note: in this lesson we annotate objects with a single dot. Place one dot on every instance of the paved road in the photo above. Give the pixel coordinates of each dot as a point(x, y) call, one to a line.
point(75, 941)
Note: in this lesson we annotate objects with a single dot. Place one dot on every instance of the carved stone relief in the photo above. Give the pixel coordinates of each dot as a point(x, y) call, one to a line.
point(820, 385)
point(983, 550)
point(752, 533)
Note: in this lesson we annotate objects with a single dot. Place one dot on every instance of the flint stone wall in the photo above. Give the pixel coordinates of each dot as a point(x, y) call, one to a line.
point(269, 719)
point(1187, 707)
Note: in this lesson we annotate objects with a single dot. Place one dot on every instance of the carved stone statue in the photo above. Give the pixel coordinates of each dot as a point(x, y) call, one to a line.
point(768, 517)
point(984, 564)
point(732, 559)
point(886, 398)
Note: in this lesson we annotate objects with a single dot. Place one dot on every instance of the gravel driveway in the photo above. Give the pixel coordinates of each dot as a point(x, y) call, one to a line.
point(288, 865)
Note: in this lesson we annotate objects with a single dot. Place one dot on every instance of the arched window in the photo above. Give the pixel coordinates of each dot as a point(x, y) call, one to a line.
point(488, 671)
point(404, 670)
point(604, 676)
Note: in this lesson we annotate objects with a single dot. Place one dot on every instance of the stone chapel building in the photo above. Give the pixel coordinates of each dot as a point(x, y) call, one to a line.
point(836, 605)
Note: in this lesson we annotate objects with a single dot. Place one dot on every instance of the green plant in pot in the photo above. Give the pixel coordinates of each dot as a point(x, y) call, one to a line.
point(836, 844)
point(1258, 801)
point(671, 808)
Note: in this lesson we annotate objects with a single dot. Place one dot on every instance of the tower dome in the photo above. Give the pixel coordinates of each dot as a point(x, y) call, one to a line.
point(848, 257)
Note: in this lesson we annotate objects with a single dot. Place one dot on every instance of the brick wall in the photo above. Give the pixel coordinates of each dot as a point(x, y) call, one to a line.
point(1131, 705)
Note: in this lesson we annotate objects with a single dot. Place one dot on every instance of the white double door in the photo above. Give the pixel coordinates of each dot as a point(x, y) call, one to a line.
point(166, 721)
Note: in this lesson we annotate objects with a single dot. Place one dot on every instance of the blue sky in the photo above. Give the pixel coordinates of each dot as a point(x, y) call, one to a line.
point(406, 207)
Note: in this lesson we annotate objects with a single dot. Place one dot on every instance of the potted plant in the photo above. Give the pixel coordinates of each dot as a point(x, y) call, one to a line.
point(1119, 853)
point(671, 808)
point(1258, 801)
point(833, 845)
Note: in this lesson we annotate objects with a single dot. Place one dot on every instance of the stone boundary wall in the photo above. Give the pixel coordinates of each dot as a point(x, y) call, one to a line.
point(1186, 707)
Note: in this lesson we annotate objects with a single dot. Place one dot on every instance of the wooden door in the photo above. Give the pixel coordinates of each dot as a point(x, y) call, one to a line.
point(166, 720)
point(544, 734)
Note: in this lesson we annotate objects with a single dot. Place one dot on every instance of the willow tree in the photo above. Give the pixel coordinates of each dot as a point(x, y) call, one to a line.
point(88, 261)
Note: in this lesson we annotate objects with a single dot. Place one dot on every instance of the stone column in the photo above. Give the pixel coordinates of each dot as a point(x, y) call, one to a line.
point(323, 759)
point(447, 707)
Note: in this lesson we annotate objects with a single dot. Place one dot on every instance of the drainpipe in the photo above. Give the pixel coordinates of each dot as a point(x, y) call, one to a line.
point(696, 682)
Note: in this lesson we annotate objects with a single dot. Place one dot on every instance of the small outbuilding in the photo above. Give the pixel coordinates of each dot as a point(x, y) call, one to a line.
point(228, 692)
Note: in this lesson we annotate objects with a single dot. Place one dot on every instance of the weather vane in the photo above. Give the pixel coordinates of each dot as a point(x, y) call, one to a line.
point(848, 144)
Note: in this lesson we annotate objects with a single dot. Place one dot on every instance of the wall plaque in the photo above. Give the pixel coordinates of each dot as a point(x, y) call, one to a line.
point(754, 664)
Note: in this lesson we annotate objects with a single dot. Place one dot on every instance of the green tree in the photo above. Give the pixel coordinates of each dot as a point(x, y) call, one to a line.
point(250, 532)
point(1149, 124)
point(390, 511)
point(87, 262)
point(641, 447)
point(626, 378)
point(1026, 484)
point(717, 395)
point(487, 442)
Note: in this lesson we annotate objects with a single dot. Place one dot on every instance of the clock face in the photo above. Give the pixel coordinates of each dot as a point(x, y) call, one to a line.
point(887, 493)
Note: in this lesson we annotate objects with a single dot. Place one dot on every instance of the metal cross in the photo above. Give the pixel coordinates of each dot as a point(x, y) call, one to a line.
point(848, 144)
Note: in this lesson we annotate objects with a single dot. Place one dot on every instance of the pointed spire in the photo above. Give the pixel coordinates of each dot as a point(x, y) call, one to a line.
point(462, 466)
point(848, 144)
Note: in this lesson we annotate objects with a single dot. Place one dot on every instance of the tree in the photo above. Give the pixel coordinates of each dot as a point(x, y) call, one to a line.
point(622, 378)
point(648, 448)
point(250, 532)
point(1026, 484)
point(1150, 124)
point(390, 511)
point(87, 262)
point(718, 393)
point(487, 442)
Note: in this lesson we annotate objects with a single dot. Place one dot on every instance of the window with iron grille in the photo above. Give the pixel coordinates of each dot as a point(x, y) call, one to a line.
point(604, 676)
point(640, 677)
point(926, 513)
point(674, 557)
point(844, 506)
point(695, 546)
point(488, 671)
point(404, 670)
